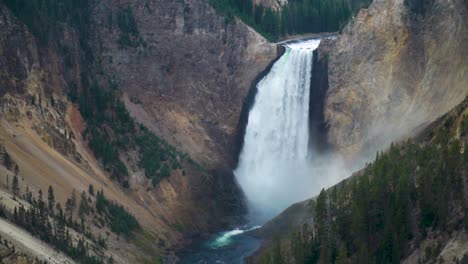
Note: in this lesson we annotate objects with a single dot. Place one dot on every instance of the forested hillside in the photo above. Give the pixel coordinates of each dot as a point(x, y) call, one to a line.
point(65, 122)
point(412, 197)
point(296, 17)
point(110, 129)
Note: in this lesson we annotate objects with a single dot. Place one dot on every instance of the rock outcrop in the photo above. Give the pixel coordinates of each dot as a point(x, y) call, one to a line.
point(452, 245)
point(184, 70)
point(189, 74)
point(394, 68)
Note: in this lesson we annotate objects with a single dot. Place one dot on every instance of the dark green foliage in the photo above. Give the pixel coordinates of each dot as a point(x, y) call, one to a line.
point(15, 185)
point(277, 256)
point(110, 130)
point(297, 17)
point(53, 226)
point(51, 200)
point(126, 21)
point(157, 155)
point(108, 123)
point(91, 189)
point(106, 114)
point(84, 208)
point(464, 126)
point(418, 6)
point(8, 161)
point(43, 17)
point(302, 16)
point(369, 216)
point(120, 220)
point(129, 34)
point(37, 220)
point(73, 93)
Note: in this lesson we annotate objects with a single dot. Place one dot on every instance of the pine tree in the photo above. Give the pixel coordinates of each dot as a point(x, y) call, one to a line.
point(91, 189)
point(277, 255)
point(322, 226)
point(7, 161)
point(51, 200)
point(61, 222)
point(15, 215)
point(73, 199)
point(15, 185)
point(84, 206)
point(69, 211)
point(42, 217)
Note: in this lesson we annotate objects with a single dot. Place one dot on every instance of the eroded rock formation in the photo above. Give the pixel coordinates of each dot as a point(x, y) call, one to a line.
point(184, 72)
point(394, 68)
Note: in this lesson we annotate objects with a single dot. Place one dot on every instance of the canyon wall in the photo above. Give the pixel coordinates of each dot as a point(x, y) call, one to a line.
point(395, 67)
point(184, 71)
point(189, 73)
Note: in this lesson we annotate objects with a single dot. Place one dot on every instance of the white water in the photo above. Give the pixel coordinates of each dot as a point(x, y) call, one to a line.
point(275, 167)
point(225, 238)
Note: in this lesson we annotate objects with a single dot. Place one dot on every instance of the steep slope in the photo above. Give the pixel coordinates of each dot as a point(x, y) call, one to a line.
point(396, 66)
point(189, 73)
point(408, 206)
point(191, 97)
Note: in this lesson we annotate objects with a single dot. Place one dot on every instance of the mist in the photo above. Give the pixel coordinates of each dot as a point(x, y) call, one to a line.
point(277, 167)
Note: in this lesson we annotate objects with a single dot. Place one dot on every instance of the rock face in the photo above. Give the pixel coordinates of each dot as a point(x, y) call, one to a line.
point(185, 76)
point(394, 68)
point(185, 72)
point(190, 74)
point(32, 82)
point(452, 244)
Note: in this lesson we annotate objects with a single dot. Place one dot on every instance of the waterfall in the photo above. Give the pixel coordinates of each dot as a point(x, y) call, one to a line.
point(274, 164)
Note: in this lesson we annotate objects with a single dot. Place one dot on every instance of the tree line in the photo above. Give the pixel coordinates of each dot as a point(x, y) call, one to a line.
point(379, 216)
point(47, 220)
point(51, 222)
point(296, 17)
point(44, 17)
point(110, 130)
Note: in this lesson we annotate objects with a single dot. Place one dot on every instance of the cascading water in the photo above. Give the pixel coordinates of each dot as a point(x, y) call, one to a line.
point(274, 165)
point(274, 162)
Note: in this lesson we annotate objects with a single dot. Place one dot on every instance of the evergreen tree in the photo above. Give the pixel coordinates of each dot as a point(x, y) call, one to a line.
point(7, 161)
point(322, 226)
point(15, 185)
point(73, 199)
point(277, 255)
point(51, 200)
point(91, 190)
point(69, 211)
point(83, 209)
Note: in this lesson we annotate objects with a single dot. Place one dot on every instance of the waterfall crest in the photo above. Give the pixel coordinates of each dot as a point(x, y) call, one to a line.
point(274, 161)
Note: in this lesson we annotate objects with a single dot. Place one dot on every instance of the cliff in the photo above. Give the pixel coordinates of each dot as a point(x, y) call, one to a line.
point(183, 71)
point(395, 67)
point(430, 223)
point(188, 74)
point(393, 73)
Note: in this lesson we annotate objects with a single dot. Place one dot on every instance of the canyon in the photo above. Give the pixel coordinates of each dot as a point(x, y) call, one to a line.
point(188, 74)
